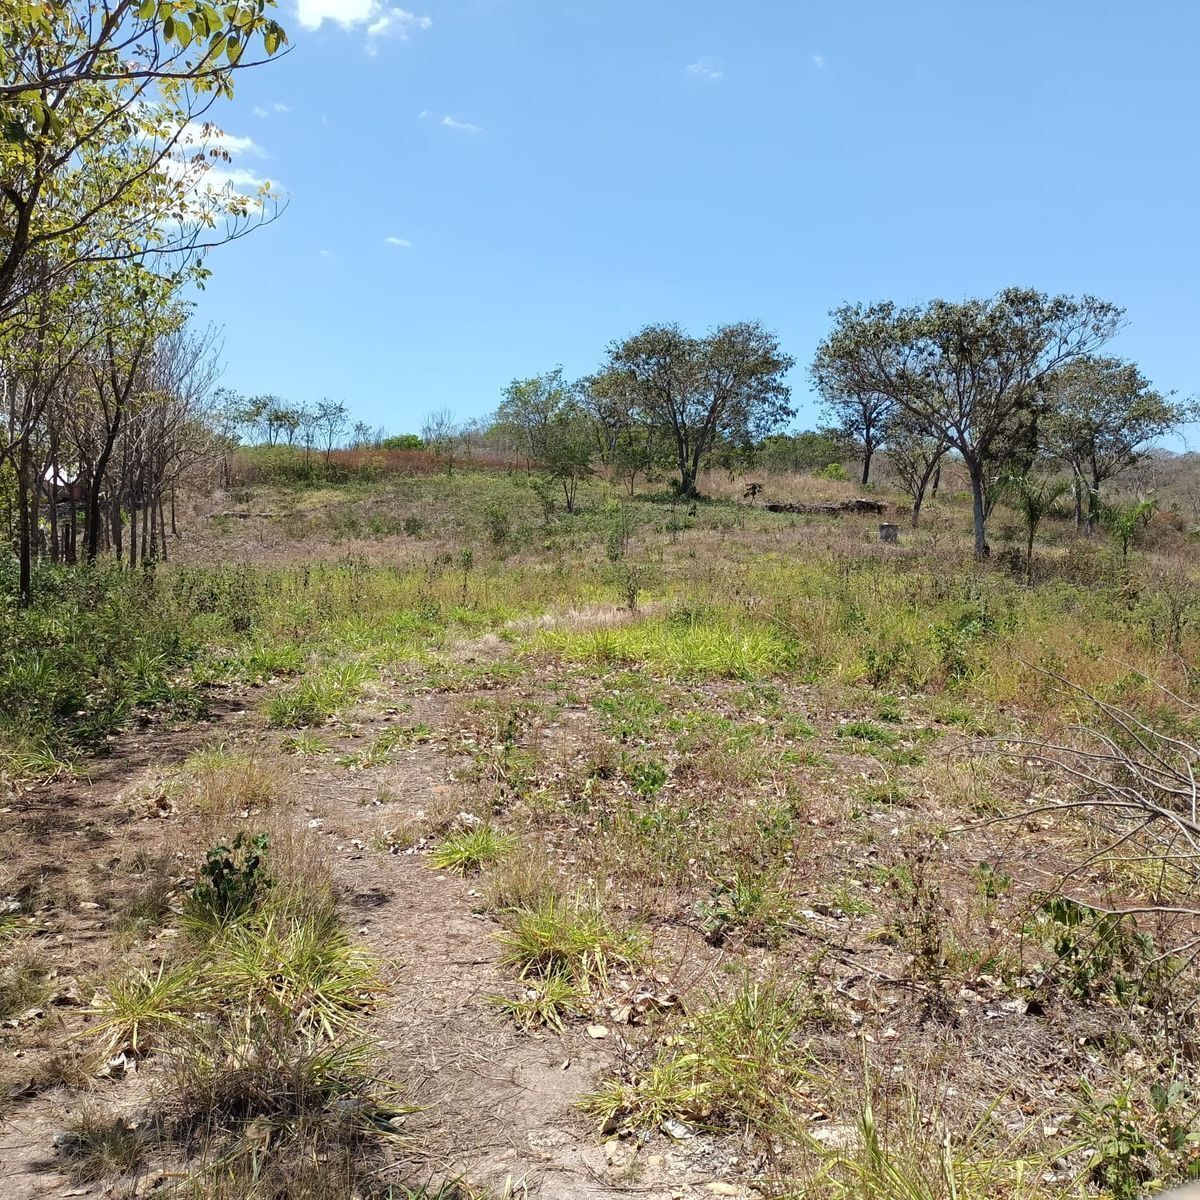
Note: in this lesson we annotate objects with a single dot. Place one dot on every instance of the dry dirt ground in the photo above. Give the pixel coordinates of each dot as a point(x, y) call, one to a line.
point(498, 1105)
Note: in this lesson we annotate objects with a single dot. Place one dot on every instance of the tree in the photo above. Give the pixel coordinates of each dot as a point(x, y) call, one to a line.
point(568, 450)
point(1102, 415)
point(915, 456)
point(859, 416)
point(1034, 499)
point(529, 408)
point(727, 386)
point(331, 418)
point(975, 369)
point(439, 431)
point(100, 104)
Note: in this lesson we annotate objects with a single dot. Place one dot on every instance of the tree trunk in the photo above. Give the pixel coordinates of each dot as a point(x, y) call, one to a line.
point(115, 517)
point(978, 507)
point(937, 479)
point(866, 471)
point(24, 539)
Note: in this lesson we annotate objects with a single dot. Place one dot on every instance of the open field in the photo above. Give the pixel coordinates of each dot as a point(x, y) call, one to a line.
point(664, 849)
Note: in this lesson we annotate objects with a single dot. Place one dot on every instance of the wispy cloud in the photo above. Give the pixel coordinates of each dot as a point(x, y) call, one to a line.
point(462, 126)
point(819, 61)
point(403, 243)
point(207, 138)
point(707, 69)
point(450, 122)
point(264, 110)
point(326, 254)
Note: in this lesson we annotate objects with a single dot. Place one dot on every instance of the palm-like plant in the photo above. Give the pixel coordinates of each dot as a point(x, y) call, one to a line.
point(1125, 521)
point(1034, 498)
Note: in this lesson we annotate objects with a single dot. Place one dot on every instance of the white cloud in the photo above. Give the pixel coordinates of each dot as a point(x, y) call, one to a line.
point(261, 110)
point(378, 17)
point(403, 243)
point(462, 126)
point(203, 159)
point(707, 69)
point(326, 254)
point(206, 138)
point(819, 61)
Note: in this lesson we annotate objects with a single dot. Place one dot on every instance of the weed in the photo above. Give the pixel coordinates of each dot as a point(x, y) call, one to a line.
point(232, 884)
point(568, 937)
point(866, 731)
point(97, 1146)
point(736, 1064)
point(746, 903)
point(304, 743)
point(544, 1001)
point(471, 849)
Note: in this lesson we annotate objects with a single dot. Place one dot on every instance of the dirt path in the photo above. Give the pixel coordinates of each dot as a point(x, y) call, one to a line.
point(499, 1106)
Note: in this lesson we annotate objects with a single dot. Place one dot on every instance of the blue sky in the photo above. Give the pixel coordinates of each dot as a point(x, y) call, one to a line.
point(480, 189)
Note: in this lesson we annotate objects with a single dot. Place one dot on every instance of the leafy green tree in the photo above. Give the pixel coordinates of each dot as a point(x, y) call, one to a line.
point(402, 441)
point(860, 417)
point(101, 106)
point(568, 450)
point(727, 386)
point(975, 370)
point(915, 457)
point(1102, 417)
point(809, 450)
point(530, 407)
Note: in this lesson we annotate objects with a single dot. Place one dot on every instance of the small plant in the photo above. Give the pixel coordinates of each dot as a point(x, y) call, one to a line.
point(544, 1001)
point(233, 881)
point(738, 1064)
point(1098, 953)
point(866, 731)
point(648, 777)
point(1135, 1152)
point(834, 472)
point(471, 849)
point(568, 937)
point(1125, 521)
point(992, 881)
point(748, 904)
point(497, 521)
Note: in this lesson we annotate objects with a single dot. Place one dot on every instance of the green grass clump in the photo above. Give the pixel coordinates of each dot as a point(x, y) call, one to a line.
point(471, 849)
point(23, 977)
point(867, 731)
point(564, 951)
point(316, 699)
point(736, 1065)
point(572, 937)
